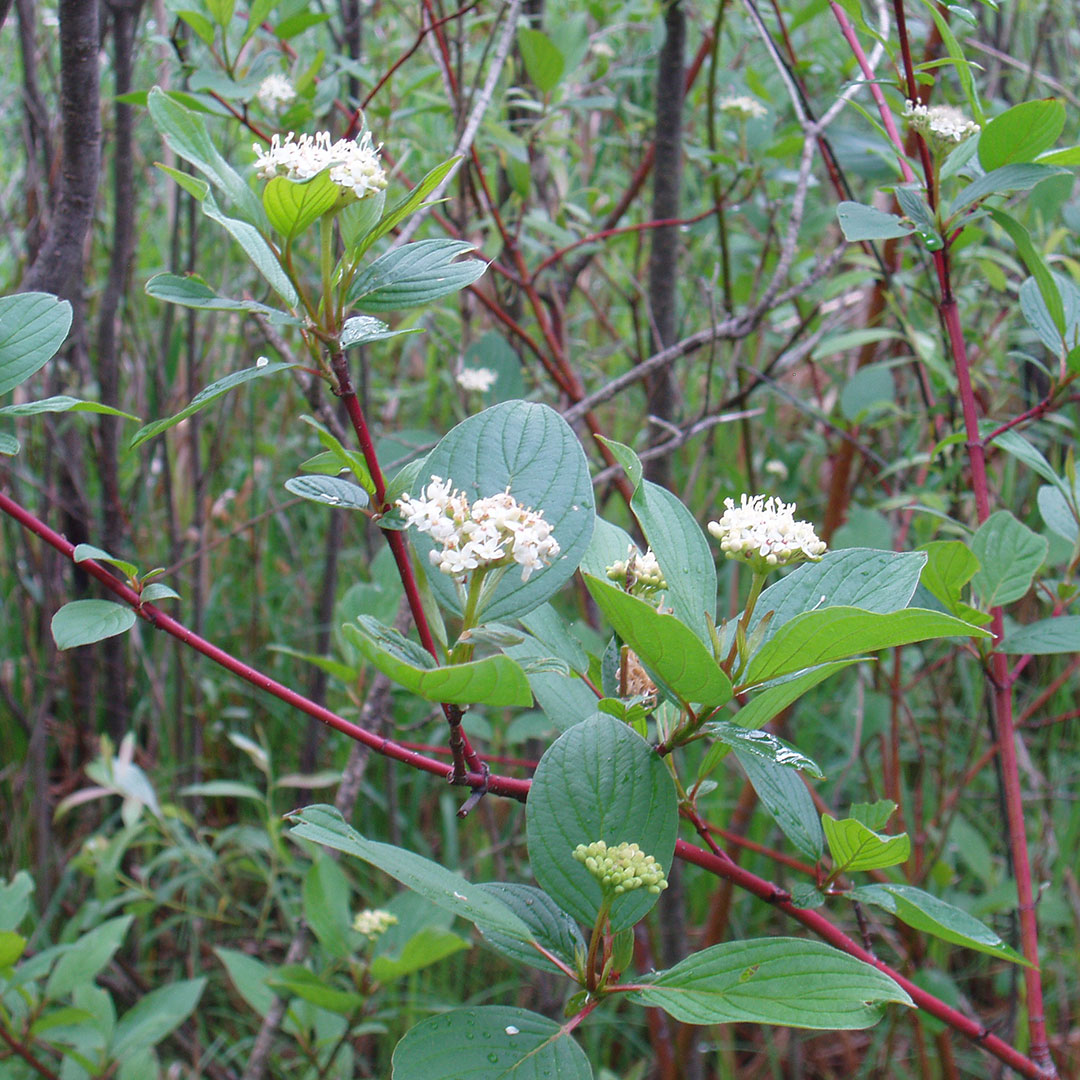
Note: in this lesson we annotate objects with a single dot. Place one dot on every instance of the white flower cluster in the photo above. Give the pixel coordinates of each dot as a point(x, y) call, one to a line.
point(494, 531)
point(764, 533)
point(481, 379)
point(639, 573)
point(621, 868)
point(275, 92)
point(373, 922)
point(943, 124)
point(353, 164)
point(744, 107)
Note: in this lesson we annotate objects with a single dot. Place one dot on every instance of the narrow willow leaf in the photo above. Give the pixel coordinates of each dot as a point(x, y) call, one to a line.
point(1041, 319)
point(345, 458)
point(834, 633)
point(192, 291)
point(325, 825)
point(552, 927)
point(63, 403)
point(543, 60)
point(1009, 555)
point(495, 680)
point(771, 699)
point(1003, 181)
point(82, 622)
point(783, 793)
point(925, 912)
point(761, 744)
point(208, 394)
point(361, 329)
point(487, 1043)
point(664, 644)
point(598, 781)
point(1042, 638)
point(329, 490)
point(413, 275)
point(407, 206)
point(859, 222)
point(1044, 280)
point(855, 847)
point(788, 981)
point(33, 326)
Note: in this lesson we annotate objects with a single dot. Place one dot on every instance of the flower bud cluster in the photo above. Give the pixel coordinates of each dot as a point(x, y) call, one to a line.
point(764, 533)
point(353, 163)
point(494, 531)
point(742, 107)
point(638, 574)
point(621, 868)
point(373, 922)
point(943, 126)
point(275, 92)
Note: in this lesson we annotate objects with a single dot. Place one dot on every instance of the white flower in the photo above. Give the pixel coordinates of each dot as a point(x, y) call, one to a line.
point(639, 574)
point(776, 468)
point(944, 124)
point(743, 107)
point(353, 164)
point(480, 379)
point(764, 533)
point(493, 531)
point(275, 92)
point(372, 923)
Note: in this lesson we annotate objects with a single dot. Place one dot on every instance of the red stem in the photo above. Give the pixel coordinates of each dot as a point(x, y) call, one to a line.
point(501, 785)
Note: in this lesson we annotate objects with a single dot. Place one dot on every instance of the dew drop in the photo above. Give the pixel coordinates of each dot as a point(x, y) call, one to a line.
point(458, 896)
point(333, 499)
point(493, 1058)
point(262, 361)
point(511, 1030)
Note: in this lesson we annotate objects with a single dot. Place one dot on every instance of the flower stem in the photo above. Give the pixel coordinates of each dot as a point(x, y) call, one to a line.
point(595, 942)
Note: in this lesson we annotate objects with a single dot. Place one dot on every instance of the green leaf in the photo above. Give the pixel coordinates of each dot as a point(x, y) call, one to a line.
point(329, 490)
point(413, 275)
point(874, 815)
point(345, 458)
point(314, 988)
point(880, 581)
point(761, 744)
point(186, 134)
point(924, 912)
point(533, 451)
point(15, 900)
point(406, 207)
point(783, 793)
point(1057, 513)
point(1003, 181)
point(257, 250)
point(598, 781)
point(1044, 280)
point(223, 789)
point(552, 927)
point(678, 543)
point(8, 444)
point(1040, 318)
point(87, 957)
point(82, 622)
point(156, 591)
point(1009, 555)
point(361, 329)
point(154, 1016)
point(208, 394)
point(325, 825)
point(834, 633)
point(565, 699)
point(62, 403)
point(490, 1042)
point(859, 222)
point(192, 291)
point(664, 644)
point(33, 326)
point(1058, 635)
point(250, 976)
point(855, 847)
point(495, 680)
point(291, 205)
point(426, 947)
point(770, 700)
point(544, 62)
point(789, 981)
point(326, 905)
point(84, 552)
point(1021, 134)
point(11, 948)
point(950, 565)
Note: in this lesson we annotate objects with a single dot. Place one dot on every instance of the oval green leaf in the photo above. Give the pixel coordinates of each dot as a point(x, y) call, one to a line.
point(33, 326)
point(82, 622)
